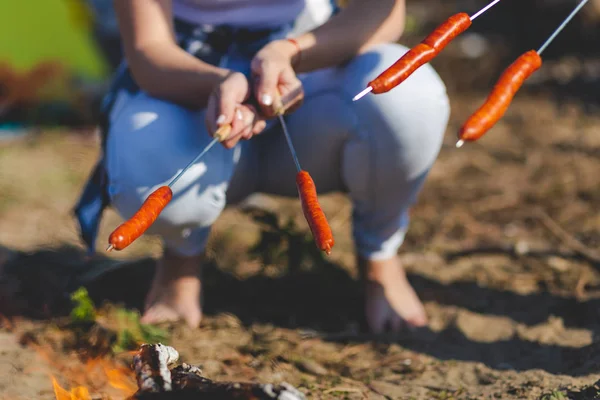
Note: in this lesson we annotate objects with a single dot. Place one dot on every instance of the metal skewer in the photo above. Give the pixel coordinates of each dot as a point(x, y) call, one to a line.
point(561, 27)
point(484, 9)
point(362, 94)
point(223, 132)
point(543, 47)
point(369, 89)
point(289, 142)
point(220, 135)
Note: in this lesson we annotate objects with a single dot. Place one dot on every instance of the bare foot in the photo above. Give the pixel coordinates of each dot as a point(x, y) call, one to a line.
point(175, 292)
point(390, 301)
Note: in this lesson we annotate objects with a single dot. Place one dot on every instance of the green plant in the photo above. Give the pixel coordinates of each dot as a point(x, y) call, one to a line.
point(84, 309)
point(554, 395)
point(283, 243)
point(131, 333)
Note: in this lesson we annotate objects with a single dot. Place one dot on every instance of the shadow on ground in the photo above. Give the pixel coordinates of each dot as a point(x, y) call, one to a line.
point(325, 302)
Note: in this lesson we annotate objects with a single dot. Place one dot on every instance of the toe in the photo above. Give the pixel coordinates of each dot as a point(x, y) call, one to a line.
point(193, 319)
point(418, 321)
point(157, 314)
point(149, 316)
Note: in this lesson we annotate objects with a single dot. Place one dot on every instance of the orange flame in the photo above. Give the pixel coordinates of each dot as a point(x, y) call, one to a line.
point(77, 393)
point(120, 378)
point(95, 376)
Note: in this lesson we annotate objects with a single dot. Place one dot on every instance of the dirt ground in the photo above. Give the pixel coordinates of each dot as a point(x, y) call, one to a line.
point(503, 247)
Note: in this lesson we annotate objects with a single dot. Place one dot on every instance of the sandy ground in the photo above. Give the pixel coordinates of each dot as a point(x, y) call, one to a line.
point(503, 248)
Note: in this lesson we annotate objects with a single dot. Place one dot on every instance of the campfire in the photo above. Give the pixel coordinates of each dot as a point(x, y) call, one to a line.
point(101, 372)
point(158, 377)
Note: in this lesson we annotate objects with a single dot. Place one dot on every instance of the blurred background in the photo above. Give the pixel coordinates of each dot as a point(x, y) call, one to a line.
point(58, 55)
point(55, 59)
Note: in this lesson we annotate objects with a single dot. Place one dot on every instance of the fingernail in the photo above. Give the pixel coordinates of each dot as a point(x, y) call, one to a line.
point(266, 99)
point(239, 115)
point(221, 119)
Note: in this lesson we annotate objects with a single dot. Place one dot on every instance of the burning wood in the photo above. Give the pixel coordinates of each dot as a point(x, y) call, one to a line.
point(151, 365)
point(157, 381)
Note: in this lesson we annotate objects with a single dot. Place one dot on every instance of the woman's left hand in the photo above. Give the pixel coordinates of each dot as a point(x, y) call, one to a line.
point(275, 82)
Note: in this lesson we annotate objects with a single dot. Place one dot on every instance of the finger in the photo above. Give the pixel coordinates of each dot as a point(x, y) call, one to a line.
point(289, 79)
point(227, 106)
point(292, 93)
point(237, 128)
point(251, 120)
point(210, 119)
point(223, 99)
point(294, 105)
point(267, 77)
point(247, 123)
point(259, 127)
point(243, 123)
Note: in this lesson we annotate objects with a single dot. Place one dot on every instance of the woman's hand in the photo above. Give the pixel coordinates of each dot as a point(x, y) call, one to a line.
point(225, 106)
point(333, 43)
point(275, 82)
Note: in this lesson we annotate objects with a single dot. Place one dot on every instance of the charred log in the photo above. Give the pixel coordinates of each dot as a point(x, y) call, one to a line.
point(208, 389)
point(151, 365)
point(157, 382)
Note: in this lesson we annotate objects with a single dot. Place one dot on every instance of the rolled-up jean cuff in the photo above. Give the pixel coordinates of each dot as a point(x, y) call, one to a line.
point(370, 247)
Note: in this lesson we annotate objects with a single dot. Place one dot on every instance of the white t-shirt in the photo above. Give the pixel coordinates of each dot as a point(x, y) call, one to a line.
point(253, 13)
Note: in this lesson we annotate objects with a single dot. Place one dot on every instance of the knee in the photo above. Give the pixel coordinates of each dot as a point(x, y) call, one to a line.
point(198, 200)
point(147, 133)
point(368, 65)
point(150, 142)
point(195, 206)
point(406, 125)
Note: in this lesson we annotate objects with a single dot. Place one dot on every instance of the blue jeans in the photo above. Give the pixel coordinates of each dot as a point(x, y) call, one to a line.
point(378, 150)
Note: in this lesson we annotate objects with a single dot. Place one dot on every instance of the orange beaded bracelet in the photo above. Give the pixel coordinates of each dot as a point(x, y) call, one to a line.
point(295, 43)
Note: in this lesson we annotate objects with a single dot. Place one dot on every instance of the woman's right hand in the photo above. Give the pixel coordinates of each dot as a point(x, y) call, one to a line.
point(226, 106)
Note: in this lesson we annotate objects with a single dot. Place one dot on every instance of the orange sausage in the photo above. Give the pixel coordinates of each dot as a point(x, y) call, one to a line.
point(501, 96)
point(421, 53)
point(447, 31)
point(403, 68)
point(133, 228)
point(313, 213)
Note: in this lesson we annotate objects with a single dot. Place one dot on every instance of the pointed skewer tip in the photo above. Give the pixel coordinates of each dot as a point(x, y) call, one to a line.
point(363, 93)
point(460, 143)
point(110, 248)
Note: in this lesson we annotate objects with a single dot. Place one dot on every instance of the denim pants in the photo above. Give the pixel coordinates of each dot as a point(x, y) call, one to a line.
point(378, 151)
